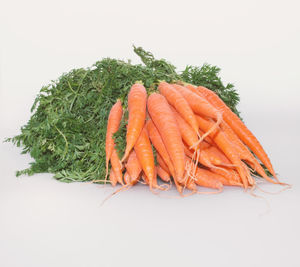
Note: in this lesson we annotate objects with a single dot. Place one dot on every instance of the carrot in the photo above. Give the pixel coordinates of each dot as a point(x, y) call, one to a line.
point(145, 156)
point(201, 158)
point(215, 156)
point(189, 182)
point(228, 149)
point(112, 178)
point(137, 99)
point(146, 179)
point(245, 154)
point(133, 167)
point(238, 127)
point(207, 179)
point(165, 122)
point(159, 145)
point(163, 174)
point(188, 134)
point(113, 123)
point(164, 166)
point(127, 178)
point(180, 104)
point(200, 106)
point(206, 173)
point(229, 174)
point(162, 163)
point(207, 138)
point(116, 166)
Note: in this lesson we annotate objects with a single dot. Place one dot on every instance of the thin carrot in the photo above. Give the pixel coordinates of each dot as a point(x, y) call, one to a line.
point(189, 136)
point(228, 149)
point(133, 167)
point(200, 105)
point(137, 99)
point(216, 157)
point(238, 127)
point(202, 158)
point(116, 166)
point(145, 156)
point(163, 174)
point(113, 124)
point(179, 103)
point(162, 163)
point(245, 154)
point(229, 174)
point(217, 177)
point(159, 145)
point(112, 178)
point(127, 178)
point(165, 122)
point(207, 179)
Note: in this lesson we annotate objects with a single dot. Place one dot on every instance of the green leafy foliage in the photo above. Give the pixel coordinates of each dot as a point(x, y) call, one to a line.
point(66, 133)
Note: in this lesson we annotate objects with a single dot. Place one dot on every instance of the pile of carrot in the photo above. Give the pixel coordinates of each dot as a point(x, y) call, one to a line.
point(198, 142)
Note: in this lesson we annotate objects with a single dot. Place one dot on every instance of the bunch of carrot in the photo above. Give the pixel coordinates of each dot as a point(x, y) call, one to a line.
point(198, 141)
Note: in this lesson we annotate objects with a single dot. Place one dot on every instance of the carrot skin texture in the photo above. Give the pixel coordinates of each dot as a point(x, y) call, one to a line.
point(127, 178)
point(198, 104)
point(229, 174)
point(227, 147)
point(144, 153)
point(207, 179)
point(215, 156)
point(179, 103)
point(165, 122)
point(116, 166)
point(244, 152)
point(112, 178)
point(137, 100)
point(133, 167)
point(159, 145)
point(162, 163)
point(238, 127)
point(113, 124)
point(163, 174)
point(189, 136)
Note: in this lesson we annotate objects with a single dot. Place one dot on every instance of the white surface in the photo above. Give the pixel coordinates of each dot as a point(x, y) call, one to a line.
point(47, 223)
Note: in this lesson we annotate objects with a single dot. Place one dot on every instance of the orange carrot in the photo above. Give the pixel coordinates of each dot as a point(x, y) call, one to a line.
point(112, 178)
point(127, 178)
point(113, 124)
point(228, 149)
point(189, 182)
point(165, 122)
point(215, 156)
point(159, 145)
point(145, 156)
point(133, 167)
point(116, 166)
point(207, 179)
point(162, 163)
point(207, 138)
point(244, 152)
point(238, 127)
point(163, 174)
point(200, 105)
point(189, 136)
point(206, 176)
point(229, 174)
point(137, 99)
point(179, 103)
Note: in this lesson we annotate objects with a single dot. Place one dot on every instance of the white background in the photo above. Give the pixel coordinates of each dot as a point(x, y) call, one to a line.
point(47, 223)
